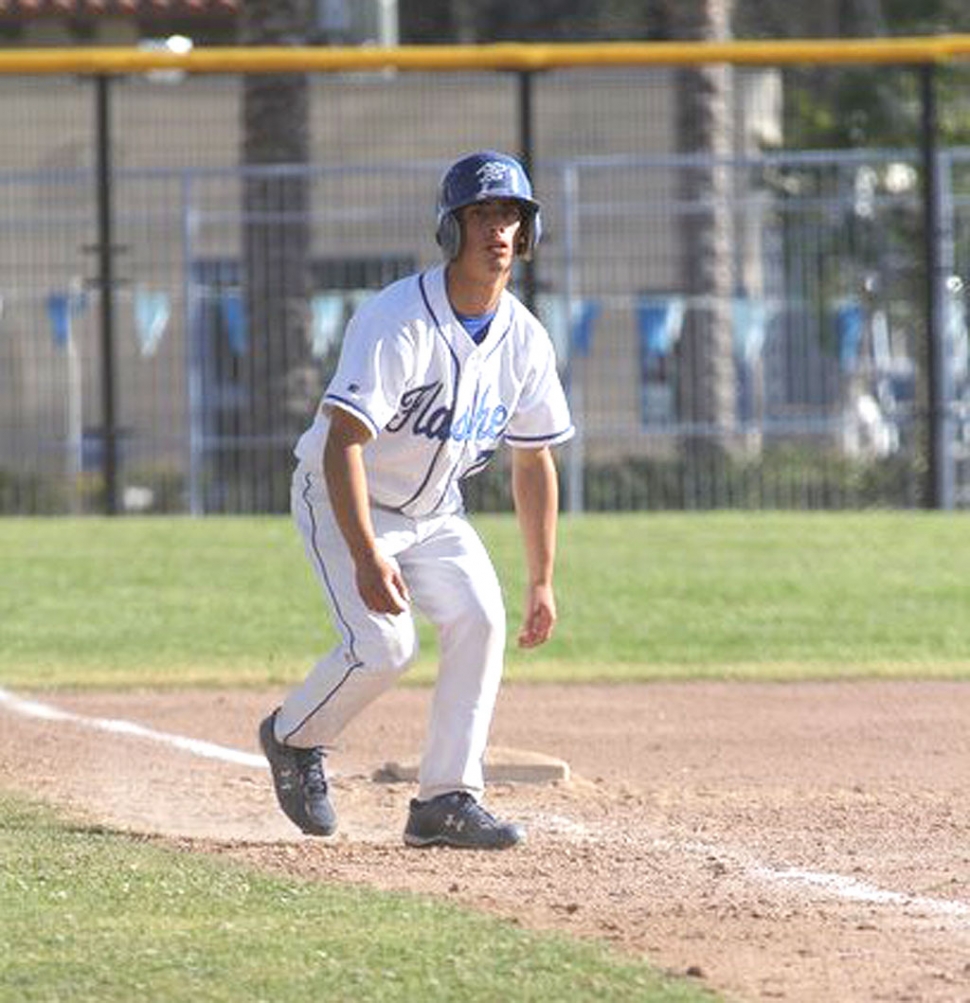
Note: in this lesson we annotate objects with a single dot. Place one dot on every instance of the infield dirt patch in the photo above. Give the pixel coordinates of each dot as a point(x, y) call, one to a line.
point(805, 842)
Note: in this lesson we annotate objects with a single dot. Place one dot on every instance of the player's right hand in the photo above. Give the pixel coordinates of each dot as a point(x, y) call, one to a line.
point(381, 586)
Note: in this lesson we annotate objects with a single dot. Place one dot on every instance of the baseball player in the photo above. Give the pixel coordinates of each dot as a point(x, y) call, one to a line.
point(436, 371)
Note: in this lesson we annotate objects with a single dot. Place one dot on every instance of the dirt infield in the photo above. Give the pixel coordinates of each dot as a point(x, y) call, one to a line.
point(796, 842)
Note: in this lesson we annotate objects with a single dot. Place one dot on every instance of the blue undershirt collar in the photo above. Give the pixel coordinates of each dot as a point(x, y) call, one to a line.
point(477, 326)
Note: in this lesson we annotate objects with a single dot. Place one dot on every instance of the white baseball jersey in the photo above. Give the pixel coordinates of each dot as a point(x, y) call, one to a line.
point(439, 404)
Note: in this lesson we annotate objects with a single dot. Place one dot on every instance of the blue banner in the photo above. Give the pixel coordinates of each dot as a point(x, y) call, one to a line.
point(152, 313)
point(62, 308)
point(234, 318)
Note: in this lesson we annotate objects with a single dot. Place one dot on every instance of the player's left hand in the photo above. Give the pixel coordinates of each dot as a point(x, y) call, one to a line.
point(539, 618)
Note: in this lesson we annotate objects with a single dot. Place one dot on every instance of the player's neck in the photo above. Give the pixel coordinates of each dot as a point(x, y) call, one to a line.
point(473, 295)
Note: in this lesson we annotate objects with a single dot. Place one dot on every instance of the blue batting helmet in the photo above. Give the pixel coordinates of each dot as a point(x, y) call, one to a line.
point(476, 178)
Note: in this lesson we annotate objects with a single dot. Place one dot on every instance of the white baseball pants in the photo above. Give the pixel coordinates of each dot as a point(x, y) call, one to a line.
point(452, 581)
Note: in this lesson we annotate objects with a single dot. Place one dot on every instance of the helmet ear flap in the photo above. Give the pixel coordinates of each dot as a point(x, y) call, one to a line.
point(529, 235)
point(449, 236)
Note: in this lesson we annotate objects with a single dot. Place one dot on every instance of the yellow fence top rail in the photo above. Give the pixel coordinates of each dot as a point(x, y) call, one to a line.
point(519, 56)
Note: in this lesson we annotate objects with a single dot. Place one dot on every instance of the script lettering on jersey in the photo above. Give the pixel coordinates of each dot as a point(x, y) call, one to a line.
point(418, 406)
point(424, 410)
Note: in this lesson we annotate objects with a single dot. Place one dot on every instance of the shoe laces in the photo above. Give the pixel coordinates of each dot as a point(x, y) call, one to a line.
point(310, 764)
point(469, 805)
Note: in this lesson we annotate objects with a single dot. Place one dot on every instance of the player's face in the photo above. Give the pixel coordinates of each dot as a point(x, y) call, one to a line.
point(490, 233)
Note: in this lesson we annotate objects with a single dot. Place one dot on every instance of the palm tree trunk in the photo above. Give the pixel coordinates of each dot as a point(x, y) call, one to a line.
point(463, 21)
point(706, 388)
point(276, 248)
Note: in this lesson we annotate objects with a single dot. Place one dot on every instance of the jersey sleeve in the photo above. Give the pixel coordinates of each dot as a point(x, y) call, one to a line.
point(542, 416)
point(372, 373)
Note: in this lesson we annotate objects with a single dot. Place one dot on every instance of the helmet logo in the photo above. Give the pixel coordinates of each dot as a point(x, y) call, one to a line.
point(493, 174)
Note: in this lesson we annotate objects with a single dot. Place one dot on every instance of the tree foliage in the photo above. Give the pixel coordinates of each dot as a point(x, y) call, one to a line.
point(432, 21)
point(472, 21)
point(849, 18)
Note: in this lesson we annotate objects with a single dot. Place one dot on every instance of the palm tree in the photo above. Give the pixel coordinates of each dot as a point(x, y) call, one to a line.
point(704, 128)
point(276, 248)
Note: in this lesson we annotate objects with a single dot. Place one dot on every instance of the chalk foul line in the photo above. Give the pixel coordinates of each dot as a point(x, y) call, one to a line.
point(195, 746)
point(852, 890)
point(837, 886)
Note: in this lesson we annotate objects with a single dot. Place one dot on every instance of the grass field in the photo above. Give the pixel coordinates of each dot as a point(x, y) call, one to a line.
point(169, 602)
point(92, 915)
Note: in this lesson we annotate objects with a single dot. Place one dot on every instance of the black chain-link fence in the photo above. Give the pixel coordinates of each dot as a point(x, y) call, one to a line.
point(739, 323)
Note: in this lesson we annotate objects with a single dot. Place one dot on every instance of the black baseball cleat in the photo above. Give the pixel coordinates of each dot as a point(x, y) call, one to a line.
point(301, 786)
point(457, 819)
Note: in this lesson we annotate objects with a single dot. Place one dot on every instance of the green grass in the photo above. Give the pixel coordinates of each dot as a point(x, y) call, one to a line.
point(90, 915)
point(175, 601)
point(767, 595)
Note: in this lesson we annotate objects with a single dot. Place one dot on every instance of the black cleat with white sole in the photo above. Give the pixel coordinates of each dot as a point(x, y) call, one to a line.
point(301, 785)
point(458, 820)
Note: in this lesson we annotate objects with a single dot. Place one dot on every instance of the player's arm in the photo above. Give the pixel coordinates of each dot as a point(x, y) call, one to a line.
point(535, 490)
point(379, 581)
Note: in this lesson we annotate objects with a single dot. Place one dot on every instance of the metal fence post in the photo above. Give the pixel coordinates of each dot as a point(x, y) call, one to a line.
point(105, 286)
point(193, 352)
point(576, 465)
point(937, 235)
point(525, 154)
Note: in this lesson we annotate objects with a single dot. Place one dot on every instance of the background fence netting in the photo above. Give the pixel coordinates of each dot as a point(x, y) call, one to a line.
point(741, 312)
